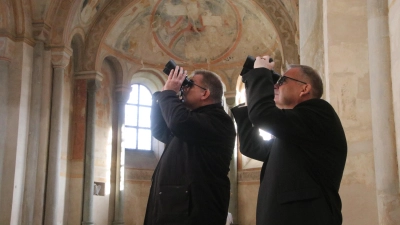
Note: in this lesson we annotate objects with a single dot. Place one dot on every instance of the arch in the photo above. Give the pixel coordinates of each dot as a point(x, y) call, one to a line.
point(116, 69)
point(77, 44)
point(285, 27)
point(60, 17)
point(110, 14)
point(152, 80)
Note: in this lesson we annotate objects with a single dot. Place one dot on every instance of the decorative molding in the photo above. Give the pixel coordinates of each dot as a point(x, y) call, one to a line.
point(89, 75)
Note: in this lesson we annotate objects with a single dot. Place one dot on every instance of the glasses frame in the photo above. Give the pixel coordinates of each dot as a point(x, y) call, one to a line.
point(191, 83)
point(283, 78)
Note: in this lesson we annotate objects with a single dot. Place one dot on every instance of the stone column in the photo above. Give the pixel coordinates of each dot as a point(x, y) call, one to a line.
point(5, 61)
point(14, 137)
point(93, 79)
point(60, 59)
point(122, 96)
point(4, 72)
point(386, 172)
point(33, 136)
point(233, 202)
point(4, 65)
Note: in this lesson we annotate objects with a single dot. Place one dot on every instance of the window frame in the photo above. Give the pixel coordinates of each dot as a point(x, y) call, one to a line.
point(138, 127)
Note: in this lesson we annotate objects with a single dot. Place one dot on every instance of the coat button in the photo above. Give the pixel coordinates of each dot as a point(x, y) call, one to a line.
point(160, 193)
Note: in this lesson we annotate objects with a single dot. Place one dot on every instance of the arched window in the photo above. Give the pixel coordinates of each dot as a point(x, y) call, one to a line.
point(137, 133)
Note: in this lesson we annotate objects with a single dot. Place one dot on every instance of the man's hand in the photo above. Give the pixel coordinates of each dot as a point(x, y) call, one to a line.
point(264, 62)
point(175, 79)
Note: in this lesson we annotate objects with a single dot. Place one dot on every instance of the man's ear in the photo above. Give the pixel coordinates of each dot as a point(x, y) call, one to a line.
point(205, 95)
point(306, 90)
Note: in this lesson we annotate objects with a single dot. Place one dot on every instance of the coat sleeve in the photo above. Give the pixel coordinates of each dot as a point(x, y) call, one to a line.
point(251, 143)
point(306, 122)
point(202, 127)
point(296, 125)
point(159, 128)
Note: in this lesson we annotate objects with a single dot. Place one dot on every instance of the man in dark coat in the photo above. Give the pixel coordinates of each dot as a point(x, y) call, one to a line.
point(190, 184)
point(304, 161)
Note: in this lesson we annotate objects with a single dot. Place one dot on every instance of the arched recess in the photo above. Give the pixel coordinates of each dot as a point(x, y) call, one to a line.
point(77, 45)
point(152, 79)
point(116, 67)
point(97, 33)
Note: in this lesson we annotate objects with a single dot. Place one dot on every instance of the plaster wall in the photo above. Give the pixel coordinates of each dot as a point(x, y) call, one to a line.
point(136, 193)
point(248, 184)
point(394, 32)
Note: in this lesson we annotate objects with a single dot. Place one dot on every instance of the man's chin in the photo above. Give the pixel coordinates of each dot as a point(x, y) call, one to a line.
point(277, 104)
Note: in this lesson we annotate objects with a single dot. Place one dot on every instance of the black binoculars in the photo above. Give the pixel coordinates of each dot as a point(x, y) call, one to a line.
point(249, 65)
point(171, 65)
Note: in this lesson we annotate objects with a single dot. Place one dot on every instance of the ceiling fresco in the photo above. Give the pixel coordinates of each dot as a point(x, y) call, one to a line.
point(193, 32)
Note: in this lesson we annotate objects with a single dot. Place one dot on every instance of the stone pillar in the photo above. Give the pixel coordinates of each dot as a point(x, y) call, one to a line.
point(233, 177)
point(122, 96)
point(93, 79)
point(386, 165)
point(4, 72)
point(16, 62)
point(43, 145)
point(60, 59)
point(34, 134)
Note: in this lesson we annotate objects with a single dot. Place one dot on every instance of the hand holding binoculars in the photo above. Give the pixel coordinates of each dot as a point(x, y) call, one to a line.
point(249, 65)
point(171, 65)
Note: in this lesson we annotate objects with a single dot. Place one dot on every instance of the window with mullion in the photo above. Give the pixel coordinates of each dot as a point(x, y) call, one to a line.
point(137, 133)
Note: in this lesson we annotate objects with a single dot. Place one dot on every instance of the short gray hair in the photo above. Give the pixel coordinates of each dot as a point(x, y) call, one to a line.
point(314, 78)
point(212, 82)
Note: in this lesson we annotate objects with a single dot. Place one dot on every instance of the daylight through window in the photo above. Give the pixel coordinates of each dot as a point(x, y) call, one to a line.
point(137, 133)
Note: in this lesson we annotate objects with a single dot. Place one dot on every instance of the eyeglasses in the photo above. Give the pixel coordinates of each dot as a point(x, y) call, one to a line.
point(191, 83)
point(283, 78)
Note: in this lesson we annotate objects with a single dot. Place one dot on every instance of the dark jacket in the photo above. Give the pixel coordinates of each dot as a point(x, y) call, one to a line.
point(190, 183)
point(303, 163)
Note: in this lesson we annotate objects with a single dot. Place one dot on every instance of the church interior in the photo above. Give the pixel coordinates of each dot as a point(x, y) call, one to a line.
point(76, 78)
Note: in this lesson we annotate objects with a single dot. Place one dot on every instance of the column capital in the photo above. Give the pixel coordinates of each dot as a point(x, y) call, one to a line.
point(230, 97)
point(41, 31)
point(89, 75)
point(60, 56)
point(6, 48)
point(122, 93)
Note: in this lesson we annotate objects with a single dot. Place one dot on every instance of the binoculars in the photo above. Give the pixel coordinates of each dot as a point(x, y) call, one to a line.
point(171, 65)
point(249, 65)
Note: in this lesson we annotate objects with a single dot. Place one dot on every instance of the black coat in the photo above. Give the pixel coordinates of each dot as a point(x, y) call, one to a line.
point(303, 163)
point(190, 184)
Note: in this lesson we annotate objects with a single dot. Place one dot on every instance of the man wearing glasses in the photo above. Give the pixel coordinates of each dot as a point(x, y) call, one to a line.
point(304, 162)
point(190, 183)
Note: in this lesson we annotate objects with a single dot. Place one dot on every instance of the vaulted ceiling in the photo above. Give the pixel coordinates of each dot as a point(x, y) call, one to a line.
point(213, 34)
